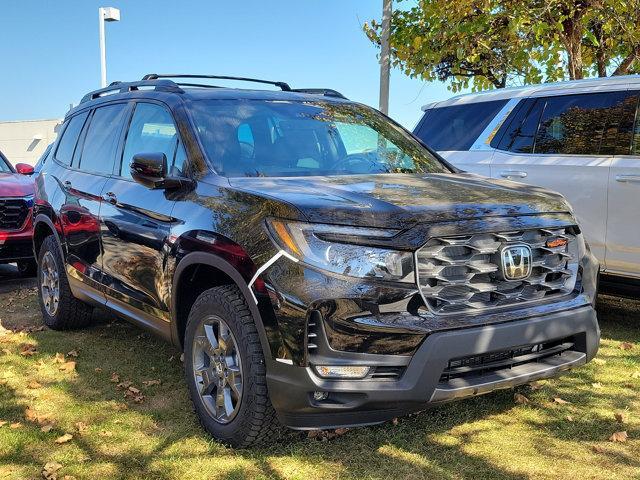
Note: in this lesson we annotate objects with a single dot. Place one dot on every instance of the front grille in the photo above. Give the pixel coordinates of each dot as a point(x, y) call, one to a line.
point(13, 213)
point(484, 364)
point(463, 273)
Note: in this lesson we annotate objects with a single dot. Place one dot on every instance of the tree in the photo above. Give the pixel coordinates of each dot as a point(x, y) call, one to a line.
point(495, 43)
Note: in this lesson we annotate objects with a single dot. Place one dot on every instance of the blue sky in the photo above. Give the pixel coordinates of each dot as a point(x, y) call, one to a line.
point(50, 53)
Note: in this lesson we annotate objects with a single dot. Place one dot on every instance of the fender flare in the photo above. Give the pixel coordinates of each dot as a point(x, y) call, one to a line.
point(42, 218)
point(225, 267)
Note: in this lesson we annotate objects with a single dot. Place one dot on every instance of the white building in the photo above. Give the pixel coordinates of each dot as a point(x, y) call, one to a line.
point(24, 141)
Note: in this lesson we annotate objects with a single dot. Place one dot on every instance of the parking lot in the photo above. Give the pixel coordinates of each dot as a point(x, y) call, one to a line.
point(110, 401)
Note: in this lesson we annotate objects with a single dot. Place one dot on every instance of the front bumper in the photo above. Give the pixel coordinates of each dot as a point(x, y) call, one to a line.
point(369, 401)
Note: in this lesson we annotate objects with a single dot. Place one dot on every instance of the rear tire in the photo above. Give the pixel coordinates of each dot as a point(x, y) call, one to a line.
point(27, 268)
point(60, 309)
point(225, 370)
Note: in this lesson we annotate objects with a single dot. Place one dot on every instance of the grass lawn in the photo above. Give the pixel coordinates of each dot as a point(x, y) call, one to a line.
point(73, 413)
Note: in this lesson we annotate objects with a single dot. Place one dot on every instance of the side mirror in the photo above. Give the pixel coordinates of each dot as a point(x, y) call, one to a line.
point(24, 169)
point(149, 169)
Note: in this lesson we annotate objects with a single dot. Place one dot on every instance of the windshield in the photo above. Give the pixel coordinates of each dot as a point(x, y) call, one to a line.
point(259, 138)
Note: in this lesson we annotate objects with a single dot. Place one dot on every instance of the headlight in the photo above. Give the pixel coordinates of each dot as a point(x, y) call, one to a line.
point(327, 247)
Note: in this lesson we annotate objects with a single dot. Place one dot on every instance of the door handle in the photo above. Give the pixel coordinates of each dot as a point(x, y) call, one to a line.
point(67, 184)
point(628, 178)
point(513, 173)
point(110, 197)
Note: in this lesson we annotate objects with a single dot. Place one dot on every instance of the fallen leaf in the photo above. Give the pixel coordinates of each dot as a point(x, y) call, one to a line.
point(134, 390)
point(46, 428)
point(98, 369)
point(635, 374)
point(72, 353)
point(599, 361)
point(68, 477)
point(596, 385)
point(50, 470)
point(149, 383)
point(28, 350)
point(30, 414)
point(59, 358)
point(626, 346)
point(560, 401)
point(106, 433)
point(619, 437)
point(569, 418)
point(6, 351)
point(64, 438)
point(15, 425)
point(619, 416)
point(33, 385)
point(3, 423)
point(124, 385)
point(81, 427)
point(535, 386)
point(115, 378)
point(67, 367)
point(341, 431)
point(395, 421)
point(521, 399)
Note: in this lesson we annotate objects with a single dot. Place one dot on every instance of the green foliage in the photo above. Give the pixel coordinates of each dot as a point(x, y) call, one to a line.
point(485, 44)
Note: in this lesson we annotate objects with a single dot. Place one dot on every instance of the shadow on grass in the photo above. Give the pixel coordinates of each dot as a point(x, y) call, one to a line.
point(413, 449)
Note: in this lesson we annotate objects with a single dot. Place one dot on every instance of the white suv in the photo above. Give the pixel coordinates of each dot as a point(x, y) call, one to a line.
point(579, 138)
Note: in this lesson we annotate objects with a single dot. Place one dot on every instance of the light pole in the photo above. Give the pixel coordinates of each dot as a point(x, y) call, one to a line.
point(385, 50)
point(105, 14)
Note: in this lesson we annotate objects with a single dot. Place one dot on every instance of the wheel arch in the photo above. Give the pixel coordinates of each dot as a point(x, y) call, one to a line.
point(43, 226)
point(189, 269)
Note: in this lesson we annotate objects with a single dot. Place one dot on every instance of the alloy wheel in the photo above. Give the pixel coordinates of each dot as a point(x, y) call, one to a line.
point(217, 369)
point(50, 284)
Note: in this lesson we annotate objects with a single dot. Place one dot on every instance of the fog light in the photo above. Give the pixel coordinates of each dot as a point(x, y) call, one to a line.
point(320, 396)
point(334, 371)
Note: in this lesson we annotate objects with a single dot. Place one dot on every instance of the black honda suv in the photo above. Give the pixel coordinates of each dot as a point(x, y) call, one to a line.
point(317, 264)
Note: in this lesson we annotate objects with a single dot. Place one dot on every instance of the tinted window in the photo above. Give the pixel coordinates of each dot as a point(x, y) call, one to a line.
point(458, 126)
point(521, 127)
point(151, 131)
point(101, 140)
point(67, 144)
point(586, 124)
point(305, 138)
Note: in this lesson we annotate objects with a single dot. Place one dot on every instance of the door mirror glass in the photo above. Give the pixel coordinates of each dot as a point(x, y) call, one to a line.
point(24, 169)
point(149, 169)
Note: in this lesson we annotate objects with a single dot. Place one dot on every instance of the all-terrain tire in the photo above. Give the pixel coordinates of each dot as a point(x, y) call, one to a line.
point(255, 422)
point(70, 313)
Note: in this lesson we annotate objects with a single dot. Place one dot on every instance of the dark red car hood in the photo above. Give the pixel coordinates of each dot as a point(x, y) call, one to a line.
point(15, 185)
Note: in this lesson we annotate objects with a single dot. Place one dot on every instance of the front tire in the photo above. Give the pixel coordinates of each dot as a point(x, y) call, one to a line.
point(60, 309)
point(225, 370)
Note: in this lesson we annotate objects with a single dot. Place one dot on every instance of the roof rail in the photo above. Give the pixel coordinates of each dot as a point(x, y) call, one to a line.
point(124, 87)
point(327, 92)
point(155, 76)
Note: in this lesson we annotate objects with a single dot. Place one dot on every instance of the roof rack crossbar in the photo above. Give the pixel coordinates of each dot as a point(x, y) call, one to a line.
point(282, 85)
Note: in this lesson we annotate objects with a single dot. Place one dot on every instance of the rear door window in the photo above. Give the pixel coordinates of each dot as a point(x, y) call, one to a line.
point(586, 124)
point(457, 127)
point(101, 140)
point(69, 139)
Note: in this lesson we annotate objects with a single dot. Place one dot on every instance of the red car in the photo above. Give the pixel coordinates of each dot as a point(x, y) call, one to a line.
point(16, 206)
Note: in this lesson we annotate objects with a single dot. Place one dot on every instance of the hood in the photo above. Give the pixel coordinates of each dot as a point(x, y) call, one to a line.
point(401, 200)
point(15, 185)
